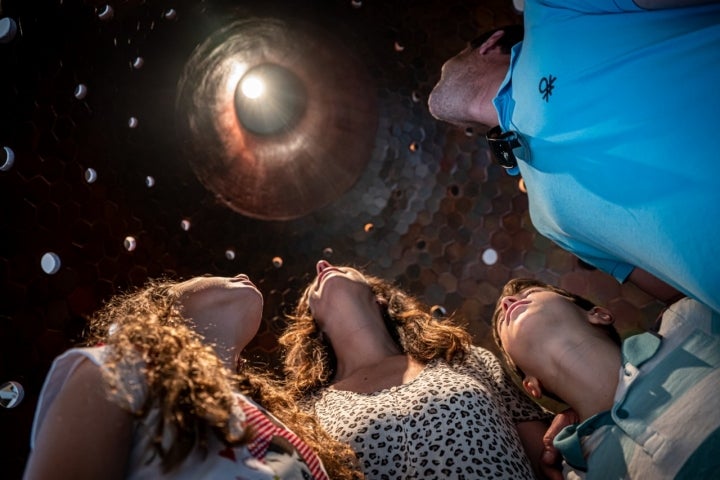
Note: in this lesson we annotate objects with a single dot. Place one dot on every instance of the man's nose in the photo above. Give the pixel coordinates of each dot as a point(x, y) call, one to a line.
point(507, 301)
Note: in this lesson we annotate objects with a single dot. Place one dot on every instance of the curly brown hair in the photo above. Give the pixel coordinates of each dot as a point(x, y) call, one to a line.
point(190, 384)
point(310, 361)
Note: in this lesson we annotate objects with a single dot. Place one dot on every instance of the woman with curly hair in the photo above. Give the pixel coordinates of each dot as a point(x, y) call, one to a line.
point(156, 392)
point(408, 391)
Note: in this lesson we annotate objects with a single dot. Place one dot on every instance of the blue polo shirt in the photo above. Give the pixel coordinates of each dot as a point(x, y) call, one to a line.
point(617, 110)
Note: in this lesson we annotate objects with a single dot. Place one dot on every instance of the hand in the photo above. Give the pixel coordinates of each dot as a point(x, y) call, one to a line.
point(551, 461)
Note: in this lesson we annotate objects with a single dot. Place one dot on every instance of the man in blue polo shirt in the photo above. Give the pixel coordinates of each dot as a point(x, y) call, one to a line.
point(610, 111)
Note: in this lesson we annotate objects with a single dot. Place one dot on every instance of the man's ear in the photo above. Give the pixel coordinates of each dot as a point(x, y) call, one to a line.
point(533, 387)
point(601, 316)
point(490, 43)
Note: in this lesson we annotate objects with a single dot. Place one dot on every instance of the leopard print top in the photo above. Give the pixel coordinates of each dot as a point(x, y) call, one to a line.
point(449, 422)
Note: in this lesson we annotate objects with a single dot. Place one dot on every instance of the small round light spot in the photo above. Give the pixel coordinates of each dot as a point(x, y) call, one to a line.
point(328, 252)
point(490, 256)
point(369, 227)
point(277, 262)
point(438, 311)
point(8, 29)
point(138, 63)
point(399, 47)
point(416, 96)
point(230, 254)
point(185, 224)
point(90, 175)
point(50, 263)
point(106, 13)
point(7, 159)
point(149, 181)
point(130, 243)
point(171, 14)
point(356, 3)
point(11, 394)
point(414, 147)
point(80, 91)
point(132, 122)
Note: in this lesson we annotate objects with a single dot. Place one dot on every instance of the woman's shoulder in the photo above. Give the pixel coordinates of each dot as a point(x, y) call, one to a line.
point(66, 364)
point(70, 358)
point(79, 364)
point(477, 355)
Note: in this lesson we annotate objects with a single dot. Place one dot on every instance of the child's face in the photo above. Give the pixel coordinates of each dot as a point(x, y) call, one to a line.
point(533, 322)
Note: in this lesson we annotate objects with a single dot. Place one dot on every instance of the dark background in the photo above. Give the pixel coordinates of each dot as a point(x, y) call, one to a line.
point(434, 208)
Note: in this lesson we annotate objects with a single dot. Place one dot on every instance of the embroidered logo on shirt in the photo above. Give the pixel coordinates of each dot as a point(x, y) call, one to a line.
point(546, 87)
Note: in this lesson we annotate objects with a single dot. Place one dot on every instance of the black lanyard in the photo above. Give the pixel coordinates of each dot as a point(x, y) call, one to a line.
point(502, 144)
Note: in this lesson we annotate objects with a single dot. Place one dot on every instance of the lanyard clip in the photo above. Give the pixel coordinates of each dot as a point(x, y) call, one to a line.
point(502, 144)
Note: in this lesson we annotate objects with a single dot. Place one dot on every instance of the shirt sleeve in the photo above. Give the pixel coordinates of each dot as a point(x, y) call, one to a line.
point(518, 405)
point(60, 372)
point(133, 389)
point(619, 270)
point(586, 6)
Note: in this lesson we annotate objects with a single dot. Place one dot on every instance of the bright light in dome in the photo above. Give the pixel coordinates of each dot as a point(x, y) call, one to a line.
point(253, 87)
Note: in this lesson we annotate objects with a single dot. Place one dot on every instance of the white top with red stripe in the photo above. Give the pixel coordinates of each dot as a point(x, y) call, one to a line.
point(274, 452)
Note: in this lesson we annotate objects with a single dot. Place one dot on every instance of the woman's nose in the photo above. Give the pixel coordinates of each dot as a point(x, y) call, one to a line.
point(322, 265)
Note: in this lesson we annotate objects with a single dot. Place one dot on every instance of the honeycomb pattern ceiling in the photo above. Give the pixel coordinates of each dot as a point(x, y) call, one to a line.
point(103, 179)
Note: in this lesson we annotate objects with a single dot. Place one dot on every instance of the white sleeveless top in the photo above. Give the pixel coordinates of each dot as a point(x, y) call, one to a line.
point(274, 452)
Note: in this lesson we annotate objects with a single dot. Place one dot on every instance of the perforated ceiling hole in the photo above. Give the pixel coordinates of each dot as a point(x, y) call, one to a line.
point(438, 311)
point(106, 13)
point(490, 256)
point(7, 159)
point(80, 91)
point(50, 263)
point(90, 175)
point(8, 29)
point(11, 394)
point(130, 243)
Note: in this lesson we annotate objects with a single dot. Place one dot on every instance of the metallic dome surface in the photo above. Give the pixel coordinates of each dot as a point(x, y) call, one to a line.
point(306, 143)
